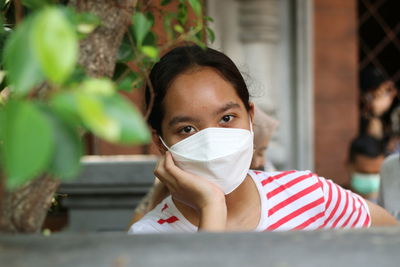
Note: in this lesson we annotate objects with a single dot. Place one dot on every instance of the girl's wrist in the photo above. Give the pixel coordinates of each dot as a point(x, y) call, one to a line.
point(213, 217)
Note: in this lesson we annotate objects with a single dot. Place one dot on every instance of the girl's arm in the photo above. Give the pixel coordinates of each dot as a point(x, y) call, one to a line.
point(213, 218)
point(379, 216)
point(194, 191)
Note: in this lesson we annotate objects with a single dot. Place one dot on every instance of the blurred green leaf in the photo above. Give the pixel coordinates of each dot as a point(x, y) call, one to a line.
point(35, 3)
point(66, 106)
point(167, 21)
point(200, 36)
point(55, 44)
point(92, 113)
point(77, 76)
point(165, 2)
point(126, 84)
point(65, 162)
point(150, 51)
point(23, 70)
point(110, 116)
point(141, 26)
point(208, 18)
point(125, 51)
point(182, 14)
point(99, 87)
point(210, 35)
point(2, 31)
point(28, 142)
point(87, 22)
point(133, 127)
point(2, 125)
point(196, 6)
point(178, 28)
point(150, 39)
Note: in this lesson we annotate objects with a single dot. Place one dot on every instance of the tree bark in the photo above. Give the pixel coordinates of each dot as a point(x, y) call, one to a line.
point(98, 51)
point(24, 210)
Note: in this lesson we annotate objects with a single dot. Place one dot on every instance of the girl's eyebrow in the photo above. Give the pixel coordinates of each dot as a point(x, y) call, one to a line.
point(229, 105)
point(178, 119)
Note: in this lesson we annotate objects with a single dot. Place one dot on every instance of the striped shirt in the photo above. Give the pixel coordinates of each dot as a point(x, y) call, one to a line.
point(290, 200)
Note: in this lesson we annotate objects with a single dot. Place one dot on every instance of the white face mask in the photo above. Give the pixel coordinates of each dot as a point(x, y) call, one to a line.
point(221, 155)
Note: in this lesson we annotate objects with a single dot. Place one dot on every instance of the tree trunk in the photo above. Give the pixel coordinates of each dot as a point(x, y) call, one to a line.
point(24, 210)
point(98, 51)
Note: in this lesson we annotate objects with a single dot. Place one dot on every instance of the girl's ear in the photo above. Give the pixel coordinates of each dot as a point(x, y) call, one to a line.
point(251, 111)
point(156, 140)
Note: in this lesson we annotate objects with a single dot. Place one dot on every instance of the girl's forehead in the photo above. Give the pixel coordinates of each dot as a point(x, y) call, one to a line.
point(198, 88)
point(199, 93)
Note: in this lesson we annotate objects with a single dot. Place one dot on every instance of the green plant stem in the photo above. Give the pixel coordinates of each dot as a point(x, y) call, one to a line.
point(2, 189)
point(152, 96)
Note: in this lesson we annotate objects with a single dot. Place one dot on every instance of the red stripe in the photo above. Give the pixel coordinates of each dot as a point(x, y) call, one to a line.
point(352, 213)
point(339, 196)
point(271, 178)
point(165, 207)
point(287, 185)
point(257, 172)
point(296, 213)
point(293, 198)
point(344, 209)
point(328, 203)
point(366, 222)
point(309, 221)
point(359, 215)
point(169, 220)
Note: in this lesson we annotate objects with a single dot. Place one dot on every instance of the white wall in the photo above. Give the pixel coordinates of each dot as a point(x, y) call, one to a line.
point(270, 41)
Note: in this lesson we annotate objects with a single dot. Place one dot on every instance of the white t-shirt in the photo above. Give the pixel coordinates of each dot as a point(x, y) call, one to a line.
point(290, 200)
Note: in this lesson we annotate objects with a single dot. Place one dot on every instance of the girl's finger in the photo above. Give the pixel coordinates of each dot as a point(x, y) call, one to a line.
point(171, 168)
point(165, 177)
point(159, 171)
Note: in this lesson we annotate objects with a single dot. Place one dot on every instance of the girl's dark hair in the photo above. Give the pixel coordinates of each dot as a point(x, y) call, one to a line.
point(180, 60)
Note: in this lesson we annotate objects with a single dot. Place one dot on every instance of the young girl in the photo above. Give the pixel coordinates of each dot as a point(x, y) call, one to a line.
point(201, 121)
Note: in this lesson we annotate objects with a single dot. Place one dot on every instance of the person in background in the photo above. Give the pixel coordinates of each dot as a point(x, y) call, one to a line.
point(380, 110)
point(263, 127)
point(366, 156)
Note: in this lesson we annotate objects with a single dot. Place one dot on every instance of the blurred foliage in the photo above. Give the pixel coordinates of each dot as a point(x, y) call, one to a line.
point(46, 99)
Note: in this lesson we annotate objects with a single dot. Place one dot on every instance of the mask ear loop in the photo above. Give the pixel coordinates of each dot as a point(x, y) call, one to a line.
point(251, 125)
point(162, 141)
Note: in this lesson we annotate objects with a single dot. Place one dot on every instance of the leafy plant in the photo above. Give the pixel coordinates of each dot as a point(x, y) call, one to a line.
point(47, 101)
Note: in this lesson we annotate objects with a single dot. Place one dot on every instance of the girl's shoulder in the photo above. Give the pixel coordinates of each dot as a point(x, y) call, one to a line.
point(304, 200)
point(278, 176)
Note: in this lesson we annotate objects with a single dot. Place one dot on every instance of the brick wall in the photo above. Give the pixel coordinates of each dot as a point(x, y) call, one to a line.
point(335, 83)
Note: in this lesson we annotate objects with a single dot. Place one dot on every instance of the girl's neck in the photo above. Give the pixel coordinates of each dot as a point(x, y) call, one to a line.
point(243, 205)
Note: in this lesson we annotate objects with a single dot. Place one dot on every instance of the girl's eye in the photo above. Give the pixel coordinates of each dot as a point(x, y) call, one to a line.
point(187, 129)
point(226, 118)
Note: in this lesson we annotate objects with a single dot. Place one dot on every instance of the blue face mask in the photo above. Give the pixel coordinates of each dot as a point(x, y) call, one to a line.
point(365, 183)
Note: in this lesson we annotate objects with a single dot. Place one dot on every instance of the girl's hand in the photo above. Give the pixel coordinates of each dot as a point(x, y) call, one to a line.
point(195, 191)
